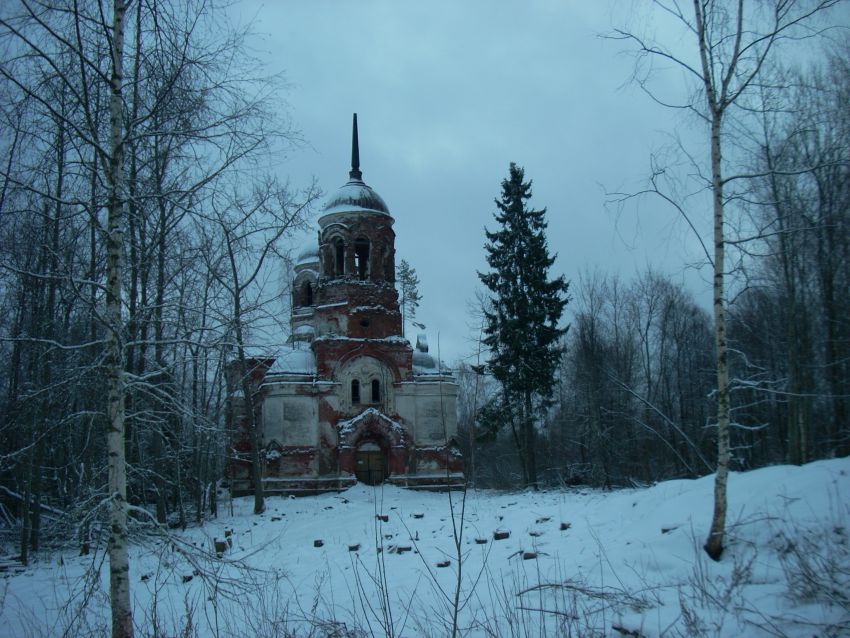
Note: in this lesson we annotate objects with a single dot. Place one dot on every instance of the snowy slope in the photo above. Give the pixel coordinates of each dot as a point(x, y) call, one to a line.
point(576, 562)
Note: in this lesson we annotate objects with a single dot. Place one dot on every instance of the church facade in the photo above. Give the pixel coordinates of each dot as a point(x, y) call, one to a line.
point(348, 398)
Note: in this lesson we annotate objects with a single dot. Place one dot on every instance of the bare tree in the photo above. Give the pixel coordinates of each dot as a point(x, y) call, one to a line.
point(190, 111)
point(119, 556)
point(734, 42)
point(800, 210)
point(249, 228)
point(634, 379)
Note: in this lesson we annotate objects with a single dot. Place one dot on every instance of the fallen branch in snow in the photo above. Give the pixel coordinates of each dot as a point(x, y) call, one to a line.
point(45, 509)
point(601, 593)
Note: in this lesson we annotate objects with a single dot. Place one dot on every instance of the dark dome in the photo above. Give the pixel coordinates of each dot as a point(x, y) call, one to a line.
point(355, 197)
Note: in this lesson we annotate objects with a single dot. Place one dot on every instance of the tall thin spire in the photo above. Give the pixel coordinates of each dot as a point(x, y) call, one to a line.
point(355, 173)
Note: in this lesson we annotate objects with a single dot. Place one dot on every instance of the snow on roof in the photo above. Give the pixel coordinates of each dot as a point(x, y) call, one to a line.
point(424, 363)
point(256, 351)
point(374, 308)
point(391, 339)
point(346, 427)
point(294, 361)
point(309, 255)
point(422, 342)
point(355, 197)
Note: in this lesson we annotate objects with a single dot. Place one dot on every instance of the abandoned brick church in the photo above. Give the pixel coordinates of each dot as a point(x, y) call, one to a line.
point(347, 398)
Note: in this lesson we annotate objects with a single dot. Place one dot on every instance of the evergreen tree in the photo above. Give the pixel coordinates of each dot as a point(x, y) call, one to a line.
point(408, 284)
point(521, 322)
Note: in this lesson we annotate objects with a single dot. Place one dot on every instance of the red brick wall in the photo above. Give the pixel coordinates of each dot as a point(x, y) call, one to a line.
point(332, 354)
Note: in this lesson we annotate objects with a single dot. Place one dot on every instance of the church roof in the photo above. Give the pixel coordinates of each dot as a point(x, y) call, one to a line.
point(355, 196)
point(424, 363)
point(308, 255)
point(294, 361)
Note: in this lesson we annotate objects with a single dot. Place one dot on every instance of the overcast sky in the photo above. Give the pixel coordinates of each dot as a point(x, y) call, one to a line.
point(448, 93)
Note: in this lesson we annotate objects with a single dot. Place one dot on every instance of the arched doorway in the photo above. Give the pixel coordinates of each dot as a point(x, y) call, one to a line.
point(371, 463)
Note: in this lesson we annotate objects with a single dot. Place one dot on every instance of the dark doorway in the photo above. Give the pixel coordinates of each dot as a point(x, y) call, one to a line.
point(371, 464)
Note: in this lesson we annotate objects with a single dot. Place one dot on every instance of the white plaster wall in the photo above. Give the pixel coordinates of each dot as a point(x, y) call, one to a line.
point(300, 421)
point(290, 420)
point(405, 401)
point(421, 403)
point(273, 419)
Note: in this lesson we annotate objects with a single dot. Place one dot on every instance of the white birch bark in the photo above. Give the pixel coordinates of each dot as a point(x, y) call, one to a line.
point(716, 107)
point(119, 560)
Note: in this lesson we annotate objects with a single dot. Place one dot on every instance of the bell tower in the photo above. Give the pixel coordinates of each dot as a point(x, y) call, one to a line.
point(356, 240)
point(355, 296)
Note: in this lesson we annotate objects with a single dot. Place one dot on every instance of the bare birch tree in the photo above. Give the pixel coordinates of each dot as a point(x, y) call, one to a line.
point(119, 556)
point(735, 41)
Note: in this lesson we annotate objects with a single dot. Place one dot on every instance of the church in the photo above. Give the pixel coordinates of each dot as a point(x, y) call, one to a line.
point(347, 398)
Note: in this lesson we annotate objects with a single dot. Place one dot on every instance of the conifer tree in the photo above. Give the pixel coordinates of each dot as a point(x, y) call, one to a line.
point(521, 322)
point(408, 284)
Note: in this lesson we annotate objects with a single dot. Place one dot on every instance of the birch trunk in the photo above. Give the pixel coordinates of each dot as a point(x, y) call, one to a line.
point(716, 102)
point(119, 561)
point(714, 544)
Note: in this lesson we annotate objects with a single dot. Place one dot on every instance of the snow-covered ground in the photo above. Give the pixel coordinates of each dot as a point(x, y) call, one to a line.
point(576, 562)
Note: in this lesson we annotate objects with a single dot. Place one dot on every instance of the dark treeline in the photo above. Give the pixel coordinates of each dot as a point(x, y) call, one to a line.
point(635, 399)
point(632, 402)
point(197, 120)
point(792, 323)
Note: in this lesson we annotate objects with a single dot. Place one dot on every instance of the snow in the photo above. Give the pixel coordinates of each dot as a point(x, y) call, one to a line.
point(390, 339)
point(595, 561)
point(425, 364)
point(294, 360)
point(308, 255)
point(422, 342)
point(374, 308)
point(355, 197)
point(349, 426)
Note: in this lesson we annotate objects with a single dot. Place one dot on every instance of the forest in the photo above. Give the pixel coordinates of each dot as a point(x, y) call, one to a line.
point(146, 236)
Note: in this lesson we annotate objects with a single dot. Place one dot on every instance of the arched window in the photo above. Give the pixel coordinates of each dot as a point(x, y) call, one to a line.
point(355, 392)
point(339, 258)
point(389, 275)
point(376, 391)
point(361, 257)
point(307, 296)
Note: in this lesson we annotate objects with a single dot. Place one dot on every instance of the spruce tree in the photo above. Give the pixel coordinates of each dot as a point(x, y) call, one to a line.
point(408, 284)
point(521, 323)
